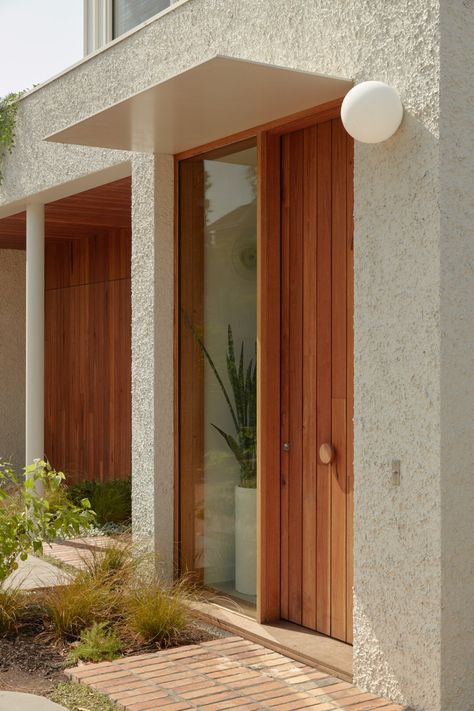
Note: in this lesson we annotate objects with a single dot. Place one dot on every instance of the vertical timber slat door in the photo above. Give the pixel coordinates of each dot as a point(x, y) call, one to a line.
point(316, 378)
point(292, 331)
point(324, 375)
point(310, 372)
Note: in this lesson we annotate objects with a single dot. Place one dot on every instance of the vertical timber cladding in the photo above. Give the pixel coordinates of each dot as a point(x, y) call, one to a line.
point(317, 378)
point(88, 355)
point(191, 365)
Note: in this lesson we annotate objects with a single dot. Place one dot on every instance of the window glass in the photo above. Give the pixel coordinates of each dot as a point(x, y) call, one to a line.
point(218, 375)
point(130, 13)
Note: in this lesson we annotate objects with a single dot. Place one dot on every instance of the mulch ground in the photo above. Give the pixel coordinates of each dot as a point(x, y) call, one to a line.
point(32, 663)
point(28, 663)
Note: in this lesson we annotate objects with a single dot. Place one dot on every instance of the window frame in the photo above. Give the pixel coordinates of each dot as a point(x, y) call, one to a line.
point(184, 506)
point(112, 12)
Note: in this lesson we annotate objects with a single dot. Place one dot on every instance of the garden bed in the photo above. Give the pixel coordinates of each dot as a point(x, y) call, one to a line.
point(32, 662)
point(109, 606)
point(107, 599)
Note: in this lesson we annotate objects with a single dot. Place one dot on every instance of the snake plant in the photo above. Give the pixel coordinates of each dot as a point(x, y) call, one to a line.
point(242, 404)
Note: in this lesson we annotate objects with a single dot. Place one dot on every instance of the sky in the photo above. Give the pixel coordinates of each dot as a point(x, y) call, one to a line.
point(38, 39)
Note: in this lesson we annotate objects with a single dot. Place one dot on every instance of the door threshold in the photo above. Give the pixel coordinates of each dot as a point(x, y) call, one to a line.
point(324, 653)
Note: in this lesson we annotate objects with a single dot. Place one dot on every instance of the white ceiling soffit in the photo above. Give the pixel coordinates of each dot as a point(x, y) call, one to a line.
point(217, 98)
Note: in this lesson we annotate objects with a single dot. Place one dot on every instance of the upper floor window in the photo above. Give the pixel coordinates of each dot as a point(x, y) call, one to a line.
point(130, 13)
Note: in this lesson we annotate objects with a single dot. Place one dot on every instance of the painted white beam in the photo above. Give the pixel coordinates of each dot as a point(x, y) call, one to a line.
point(34, 332)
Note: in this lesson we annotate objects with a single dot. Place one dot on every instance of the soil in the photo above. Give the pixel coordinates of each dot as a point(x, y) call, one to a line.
point(31, 663)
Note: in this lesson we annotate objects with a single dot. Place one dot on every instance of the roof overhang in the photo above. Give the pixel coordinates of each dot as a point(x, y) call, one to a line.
point(220, 97)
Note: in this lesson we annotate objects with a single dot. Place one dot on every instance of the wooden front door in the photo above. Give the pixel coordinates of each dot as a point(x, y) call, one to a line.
point(316, 378)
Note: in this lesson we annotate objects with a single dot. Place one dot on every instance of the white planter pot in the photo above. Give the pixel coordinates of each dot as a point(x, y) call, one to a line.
point(246, 540)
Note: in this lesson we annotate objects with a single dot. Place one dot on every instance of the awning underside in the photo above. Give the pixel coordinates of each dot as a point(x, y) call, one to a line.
point(217, 98)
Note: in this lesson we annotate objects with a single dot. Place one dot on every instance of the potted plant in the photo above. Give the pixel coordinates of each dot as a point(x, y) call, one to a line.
point(242, 404)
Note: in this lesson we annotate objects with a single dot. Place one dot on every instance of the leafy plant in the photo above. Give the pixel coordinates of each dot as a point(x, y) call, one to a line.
point(110, 500)
point(97, 644)
point(8, 113)
point(242, 407)
point(27, 520)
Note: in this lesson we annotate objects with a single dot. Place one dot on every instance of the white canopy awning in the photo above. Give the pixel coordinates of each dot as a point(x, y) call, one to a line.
point(218, 98)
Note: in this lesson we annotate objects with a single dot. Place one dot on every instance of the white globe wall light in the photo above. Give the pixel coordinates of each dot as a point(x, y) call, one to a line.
point(371, 112)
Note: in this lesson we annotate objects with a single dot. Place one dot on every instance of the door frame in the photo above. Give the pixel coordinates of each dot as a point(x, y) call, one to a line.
point(268, 343)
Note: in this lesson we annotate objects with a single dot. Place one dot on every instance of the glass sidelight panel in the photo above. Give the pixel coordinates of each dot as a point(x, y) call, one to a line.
point(218, 378)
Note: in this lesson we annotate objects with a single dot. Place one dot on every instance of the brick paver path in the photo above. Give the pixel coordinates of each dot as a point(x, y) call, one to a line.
point(229, 673)
point(74, 551)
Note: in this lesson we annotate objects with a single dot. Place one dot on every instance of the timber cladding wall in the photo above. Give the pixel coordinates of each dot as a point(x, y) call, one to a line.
point(88, 355)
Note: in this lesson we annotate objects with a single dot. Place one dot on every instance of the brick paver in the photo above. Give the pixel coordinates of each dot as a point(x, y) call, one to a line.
point(74, 551)
point(229, 673)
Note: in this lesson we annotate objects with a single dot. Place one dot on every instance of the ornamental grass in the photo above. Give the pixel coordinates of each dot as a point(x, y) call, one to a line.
point(115, 602)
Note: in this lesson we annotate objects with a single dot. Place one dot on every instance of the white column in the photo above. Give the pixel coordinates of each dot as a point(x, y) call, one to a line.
point(34, 332)
point(152, 355)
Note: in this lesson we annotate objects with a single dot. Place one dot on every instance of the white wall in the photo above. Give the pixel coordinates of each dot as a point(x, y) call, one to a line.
point(457, 354)
point(12, 355)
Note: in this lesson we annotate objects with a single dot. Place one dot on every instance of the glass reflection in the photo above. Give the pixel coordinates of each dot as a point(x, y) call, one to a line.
point(221, 316)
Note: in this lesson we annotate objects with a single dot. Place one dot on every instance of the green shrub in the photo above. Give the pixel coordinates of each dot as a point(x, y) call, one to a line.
point(27, 520)
point(83, 489)
point(110, 500)
point(156, 613)
point(97, 644)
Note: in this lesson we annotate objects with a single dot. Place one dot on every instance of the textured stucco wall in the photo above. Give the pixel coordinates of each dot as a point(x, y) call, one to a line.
point(152, 354)
point(457, 354)
point(397, 646)
point(12, 355)
point(397, 614)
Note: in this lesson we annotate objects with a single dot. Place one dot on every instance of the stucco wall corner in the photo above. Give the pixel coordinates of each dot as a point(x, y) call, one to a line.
point(164, 353)
point(152, 354)
point(397, 530)
point(457, 354)
point(143, 304)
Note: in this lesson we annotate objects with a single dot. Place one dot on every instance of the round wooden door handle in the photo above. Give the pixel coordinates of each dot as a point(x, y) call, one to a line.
point(327, 453)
